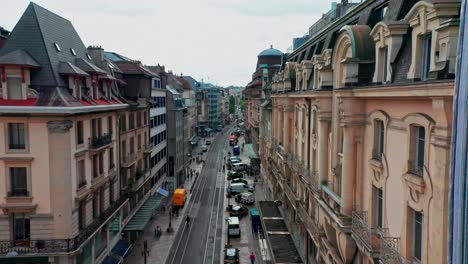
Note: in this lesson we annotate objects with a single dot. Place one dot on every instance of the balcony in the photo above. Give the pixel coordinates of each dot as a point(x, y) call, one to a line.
point(97, 143)
point(331, 203)
point(309, 223)
point(61, 246)
point(128, 160)
point(368, 238)
point(291, 195)
point(147, 148)
point(414, 168)
point(389, 251)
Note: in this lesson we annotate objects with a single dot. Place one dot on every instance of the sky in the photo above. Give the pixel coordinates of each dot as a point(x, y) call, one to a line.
point(214, 40)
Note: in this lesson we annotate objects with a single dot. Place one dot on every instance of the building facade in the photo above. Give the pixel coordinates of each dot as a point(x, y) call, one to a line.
point(61, 201)
point(362, 118)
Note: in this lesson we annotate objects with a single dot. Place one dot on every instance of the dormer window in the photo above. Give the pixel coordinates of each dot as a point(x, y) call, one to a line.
point(73, 52)
point(57, 47)
point(426, 56)
point(14, 88)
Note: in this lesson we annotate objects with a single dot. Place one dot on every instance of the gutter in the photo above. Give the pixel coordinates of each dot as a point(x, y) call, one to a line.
point(58, 110)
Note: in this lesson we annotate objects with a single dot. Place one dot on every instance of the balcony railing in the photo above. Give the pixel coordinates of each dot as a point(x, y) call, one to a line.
point(369, 237)
point(18, 193)
point(147, 148)
point(100, 141)
point(128, 160)
point(415, 168)
point(377, 155)
point(389, 251)
point(60, 246)
point(308, 222)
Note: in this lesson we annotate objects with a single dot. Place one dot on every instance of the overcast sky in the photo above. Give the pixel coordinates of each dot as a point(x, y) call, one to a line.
point(217, 40)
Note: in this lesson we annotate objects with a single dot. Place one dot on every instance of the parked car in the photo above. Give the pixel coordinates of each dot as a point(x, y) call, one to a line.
point(207, 142)
point(231, 255)
point(204, 148)
point(245, 198)
point(235, 175)
point(240, 167)
point(234, 159)
point(235, 188)
point(239, 180)
point(239, 211)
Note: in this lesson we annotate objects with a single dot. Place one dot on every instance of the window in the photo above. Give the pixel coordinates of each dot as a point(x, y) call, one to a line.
point(138, 114)
point(57, 47)
point(139, 142)
point(145, 119)
point(82, 215)
point(110, 125)
point(132, 145)
point(79, 132)
point(131, 121)
point(81, 173)
point(384, 65)
point(95, 165)
point(416, 165)
point(95, 205)
point(18, 181)
point(96, 127)
point(378, 207)
point(417, 235)
point(379, 139)
point(111, 158)
point(14, 88)
point(101, 163)
point(426, 56)
point(123, 122)
point(16, 136)
point(21, 227)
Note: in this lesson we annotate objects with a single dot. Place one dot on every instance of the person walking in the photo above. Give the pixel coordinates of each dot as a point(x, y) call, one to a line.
point(252, 258)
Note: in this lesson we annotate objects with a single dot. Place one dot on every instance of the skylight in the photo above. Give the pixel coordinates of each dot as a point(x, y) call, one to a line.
point(57, 47)
point(89, 57)
point(73, 51)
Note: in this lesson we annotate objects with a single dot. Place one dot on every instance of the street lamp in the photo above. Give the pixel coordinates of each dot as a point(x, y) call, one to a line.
point(169, 228)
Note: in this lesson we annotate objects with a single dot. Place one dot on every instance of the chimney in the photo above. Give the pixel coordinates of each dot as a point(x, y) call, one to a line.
point(96, 53)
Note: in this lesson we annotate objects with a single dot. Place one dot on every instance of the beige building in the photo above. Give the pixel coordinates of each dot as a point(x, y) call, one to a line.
point(362, 116)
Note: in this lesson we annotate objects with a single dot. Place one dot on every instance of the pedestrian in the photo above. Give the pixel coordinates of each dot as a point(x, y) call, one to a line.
point(252, 258)
point(164, 208)
point(224, 168)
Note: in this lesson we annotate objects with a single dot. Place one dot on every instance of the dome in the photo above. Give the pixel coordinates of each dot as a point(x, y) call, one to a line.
point(270, 52)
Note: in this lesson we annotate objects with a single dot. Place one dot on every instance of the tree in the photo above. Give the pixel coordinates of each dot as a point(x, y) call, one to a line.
point(232, 104)
point(242, 104)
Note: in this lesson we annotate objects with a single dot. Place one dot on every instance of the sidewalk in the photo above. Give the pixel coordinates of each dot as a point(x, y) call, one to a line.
point(159, 247)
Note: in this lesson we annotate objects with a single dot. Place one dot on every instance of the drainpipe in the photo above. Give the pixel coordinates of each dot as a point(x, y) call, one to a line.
point(309, 123)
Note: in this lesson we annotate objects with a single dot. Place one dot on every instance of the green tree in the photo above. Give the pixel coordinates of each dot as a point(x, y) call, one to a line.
point(232, 104)
point(242, 104)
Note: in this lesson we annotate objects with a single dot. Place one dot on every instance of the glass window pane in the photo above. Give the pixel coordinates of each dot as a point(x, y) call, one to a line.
point(14, 88)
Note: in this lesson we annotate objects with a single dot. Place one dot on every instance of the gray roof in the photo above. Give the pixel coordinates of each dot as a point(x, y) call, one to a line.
point(88, 66)
point(18, 57)
point(36, 32)
point(67, 68)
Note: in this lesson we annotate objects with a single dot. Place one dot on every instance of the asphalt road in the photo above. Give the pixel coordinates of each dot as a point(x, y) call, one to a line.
point(200, 241)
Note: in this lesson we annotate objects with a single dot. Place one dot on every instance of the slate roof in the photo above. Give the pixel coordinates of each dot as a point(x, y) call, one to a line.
point(19, 57)
point(36, 33)
point(192, 82)
point(88, 66)
point(67, 68)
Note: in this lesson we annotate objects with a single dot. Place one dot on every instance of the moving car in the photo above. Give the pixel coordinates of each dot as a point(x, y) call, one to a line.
point(245, 198)
point(208, 142)
point(178, 198)
point(204, 148)
point(235, 175)
point(231, 255)
point(239, 211)
point(239, 180)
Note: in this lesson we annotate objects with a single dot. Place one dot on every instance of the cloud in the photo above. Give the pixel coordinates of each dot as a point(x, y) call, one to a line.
point(204, 38)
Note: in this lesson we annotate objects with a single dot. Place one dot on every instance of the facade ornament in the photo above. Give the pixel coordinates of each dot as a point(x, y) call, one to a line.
point(59, 127)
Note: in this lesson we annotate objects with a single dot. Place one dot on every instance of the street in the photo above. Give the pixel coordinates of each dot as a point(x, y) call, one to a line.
point(200, 241)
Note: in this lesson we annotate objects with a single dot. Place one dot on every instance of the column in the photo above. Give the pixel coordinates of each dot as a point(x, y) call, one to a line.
point(322, 148)
point(348, 170)
point(299, 119)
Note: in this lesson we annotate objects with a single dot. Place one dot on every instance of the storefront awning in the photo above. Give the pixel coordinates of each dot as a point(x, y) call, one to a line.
point(163, 192)
point(143, 215)
point(248, 148)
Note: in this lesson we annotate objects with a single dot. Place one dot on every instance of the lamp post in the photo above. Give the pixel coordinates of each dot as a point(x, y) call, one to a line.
point(169, 228)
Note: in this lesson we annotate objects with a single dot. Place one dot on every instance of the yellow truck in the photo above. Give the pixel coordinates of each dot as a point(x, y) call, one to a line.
point(178, 199)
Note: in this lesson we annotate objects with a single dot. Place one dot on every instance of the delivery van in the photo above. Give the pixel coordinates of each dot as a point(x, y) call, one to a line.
point(235, 188)
point(233, 226)
point(178, 199)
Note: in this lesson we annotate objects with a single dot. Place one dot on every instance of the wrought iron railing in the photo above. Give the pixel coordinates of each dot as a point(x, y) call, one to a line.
point(18, 193)
point(52, 246)
point(100, 141)
point(389, 252)
point(369, 237)
point(128, 160)
point(314, 181)
point(415, 168)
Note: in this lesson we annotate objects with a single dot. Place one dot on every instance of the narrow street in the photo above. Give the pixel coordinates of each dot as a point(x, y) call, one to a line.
point(200, 242)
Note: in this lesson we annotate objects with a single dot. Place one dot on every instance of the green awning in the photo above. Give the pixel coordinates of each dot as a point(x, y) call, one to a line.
point(143, 215)
point(248, 148)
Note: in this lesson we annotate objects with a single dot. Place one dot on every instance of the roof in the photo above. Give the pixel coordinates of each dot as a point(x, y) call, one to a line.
point(67, 68)
point(133, 67)
point(19, 57)
point(194, 84)
point(185, 83)
point(270, 52)
point(363, 46)
point(37, 33)
point(88, 66)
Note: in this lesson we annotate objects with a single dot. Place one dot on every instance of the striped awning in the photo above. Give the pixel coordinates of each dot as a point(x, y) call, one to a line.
point(143, 215)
